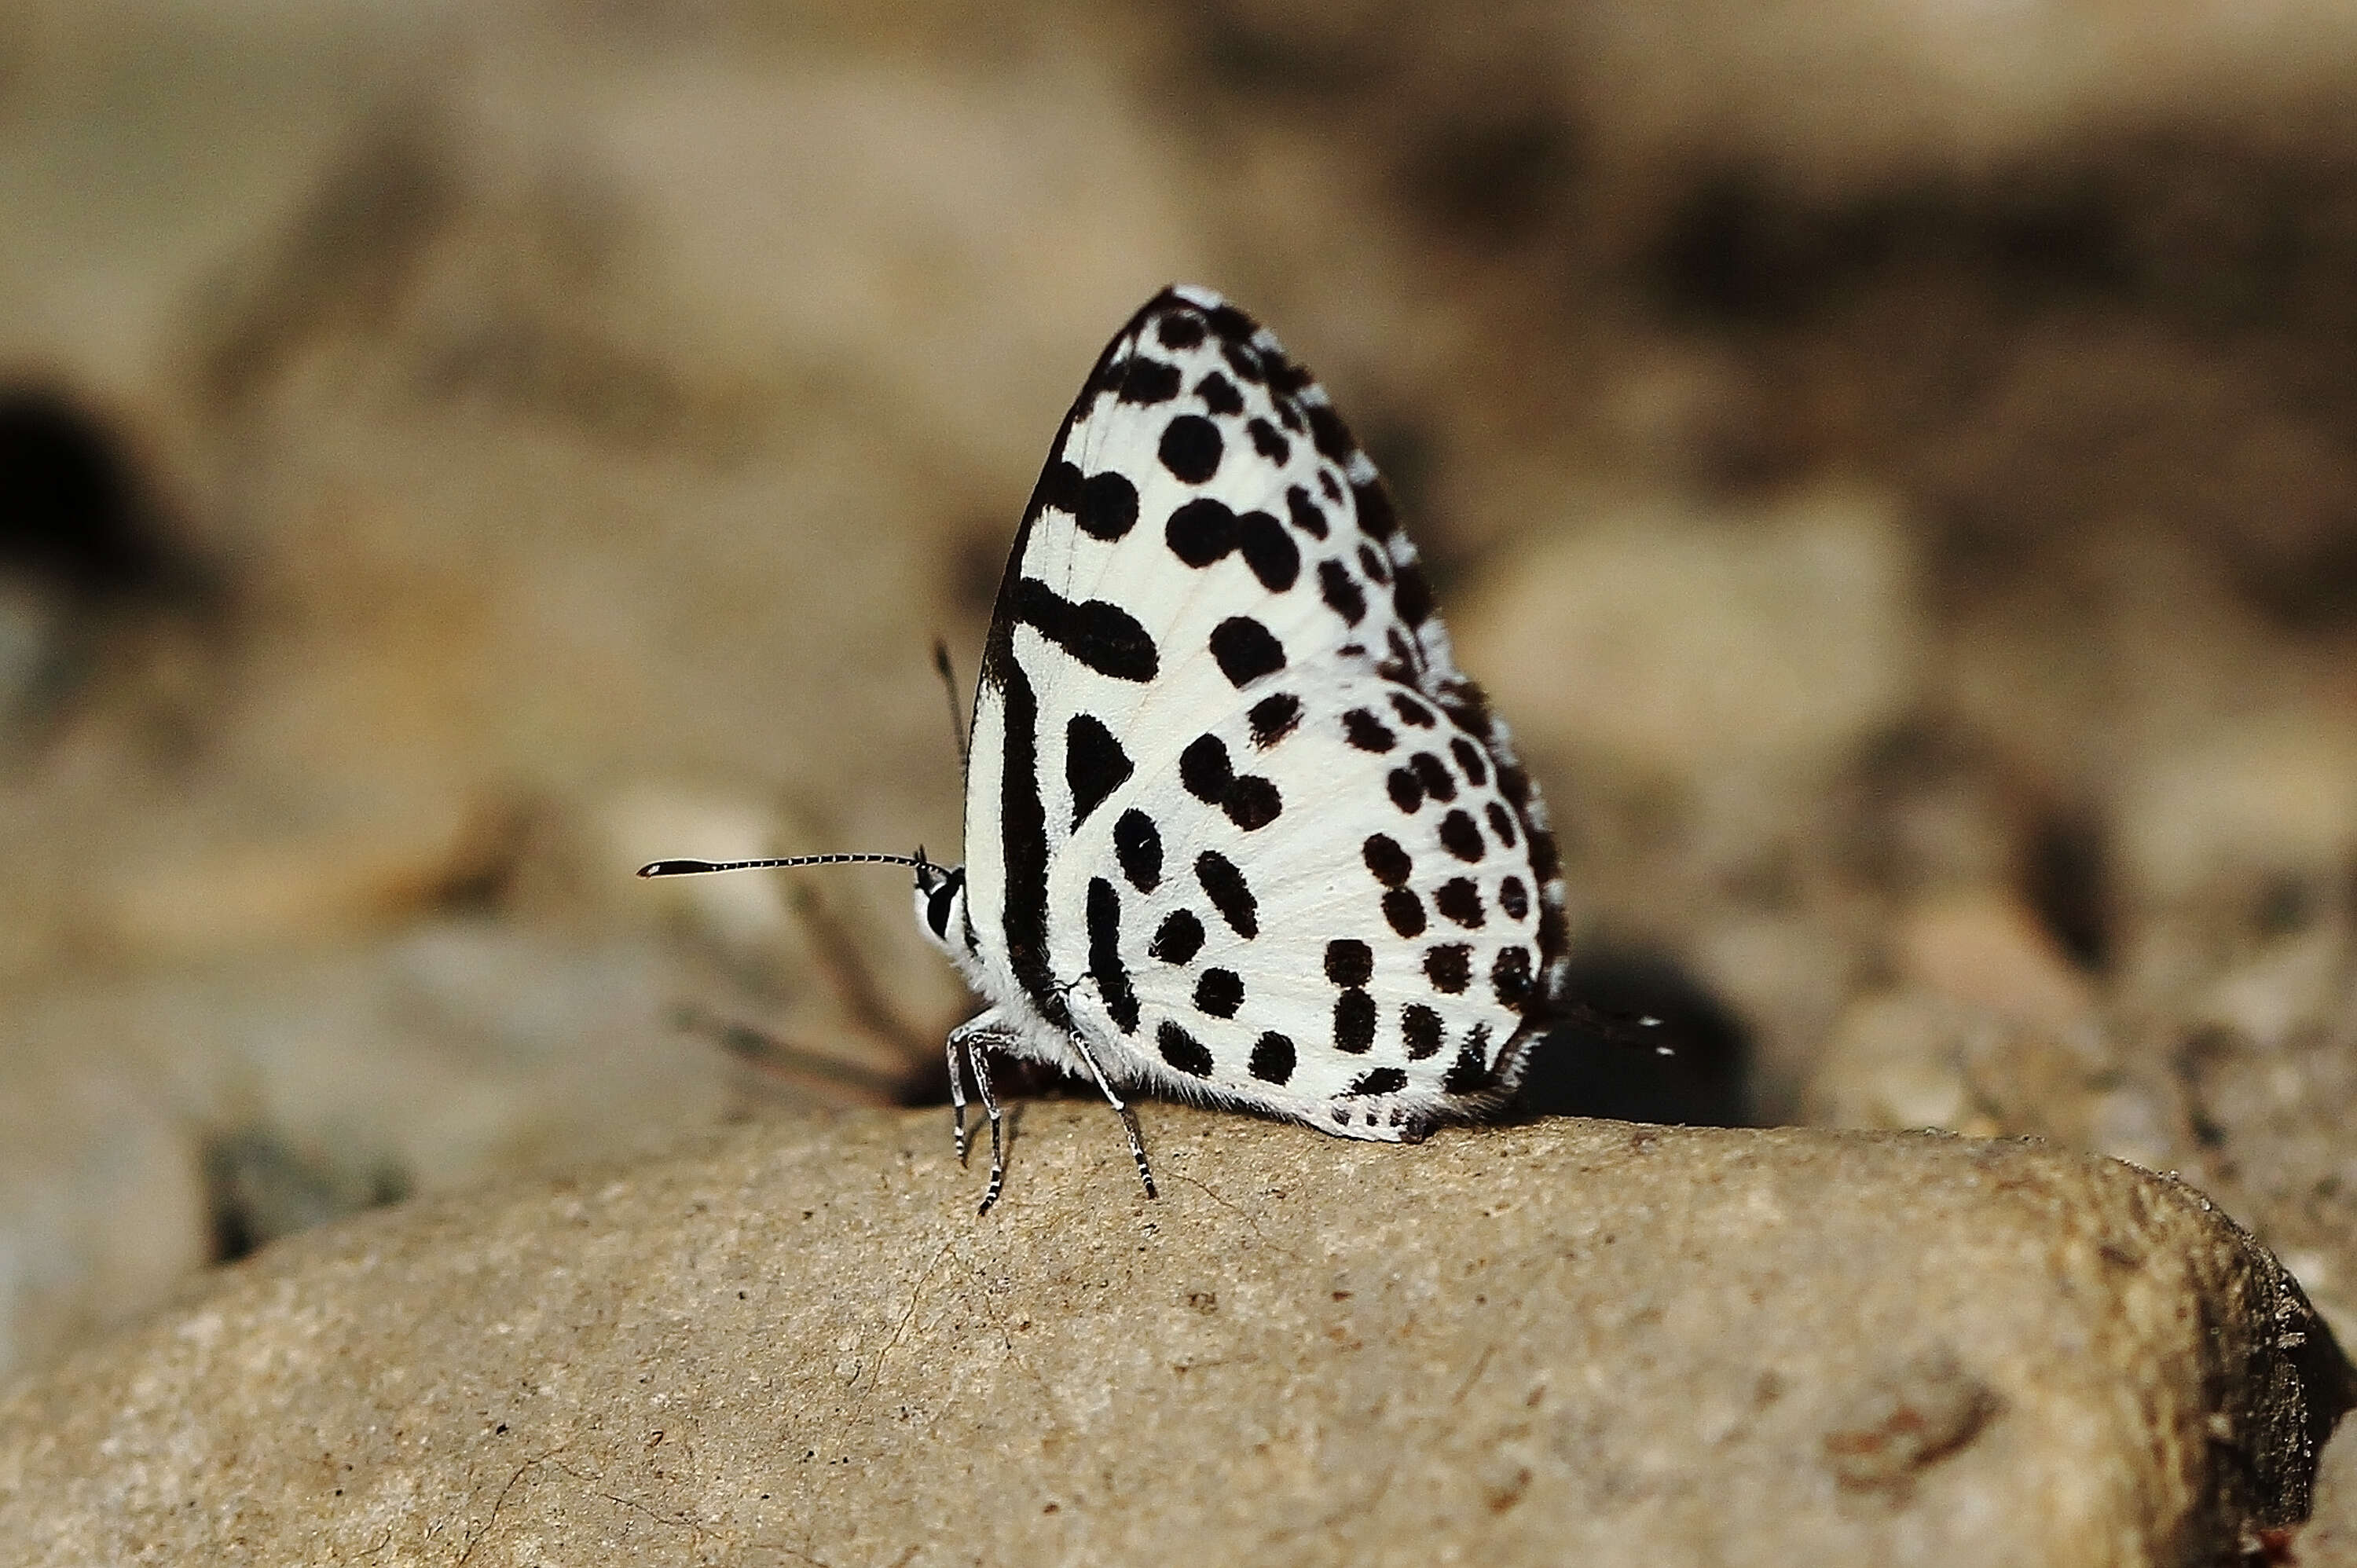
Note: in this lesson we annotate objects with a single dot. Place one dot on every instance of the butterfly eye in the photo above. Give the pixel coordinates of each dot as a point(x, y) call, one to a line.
point(941, 903)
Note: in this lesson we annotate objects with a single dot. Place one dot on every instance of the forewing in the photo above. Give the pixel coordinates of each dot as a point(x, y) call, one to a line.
point(1208, 606)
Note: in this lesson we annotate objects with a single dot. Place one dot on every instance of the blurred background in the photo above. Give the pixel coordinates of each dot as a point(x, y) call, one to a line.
point(1893, 461)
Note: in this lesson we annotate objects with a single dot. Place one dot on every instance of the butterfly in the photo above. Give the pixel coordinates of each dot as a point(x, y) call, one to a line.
point(1238, 830)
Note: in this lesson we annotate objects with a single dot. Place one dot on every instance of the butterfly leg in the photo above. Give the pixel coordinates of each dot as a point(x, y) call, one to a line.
point(957, 1095)
point(1128, 1117)
point(977, 1057)
point(966, 1044)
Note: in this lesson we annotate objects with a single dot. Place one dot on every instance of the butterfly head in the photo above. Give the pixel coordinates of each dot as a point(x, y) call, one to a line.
point(940, 898)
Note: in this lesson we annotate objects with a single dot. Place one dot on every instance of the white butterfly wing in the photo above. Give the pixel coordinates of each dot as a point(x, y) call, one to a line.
point(1213, 651)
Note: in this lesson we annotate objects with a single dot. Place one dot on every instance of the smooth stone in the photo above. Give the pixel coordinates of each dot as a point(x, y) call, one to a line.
point(1556, 1342)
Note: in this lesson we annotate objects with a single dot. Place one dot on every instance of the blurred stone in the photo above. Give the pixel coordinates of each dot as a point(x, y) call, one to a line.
point(2266, 798)
point(2329, 1540)
point(2267, 1063)
point(101, 1199)
point(1898, 1060)
point(1545, 1342)
point(1788, 978)
point(1688, 647)
point(2295, 985)
point(380, 861)
point(1916, 1057)
point(1834, 95)
point(465, 1051)
point(1982, 947)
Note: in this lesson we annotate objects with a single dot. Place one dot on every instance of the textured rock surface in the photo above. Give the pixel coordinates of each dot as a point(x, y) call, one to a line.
point(1568, 1341)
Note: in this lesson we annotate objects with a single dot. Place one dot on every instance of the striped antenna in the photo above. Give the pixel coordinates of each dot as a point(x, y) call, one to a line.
point(698, 867)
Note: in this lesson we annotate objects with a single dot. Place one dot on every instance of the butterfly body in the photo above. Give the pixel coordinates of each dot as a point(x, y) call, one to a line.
point(1238, 830)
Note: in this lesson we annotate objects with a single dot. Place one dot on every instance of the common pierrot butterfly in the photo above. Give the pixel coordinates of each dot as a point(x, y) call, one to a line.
point(1238, 830)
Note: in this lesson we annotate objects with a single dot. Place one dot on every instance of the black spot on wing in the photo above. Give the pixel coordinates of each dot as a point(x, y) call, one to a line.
point(1331, 436)
point(1219, 993)
point(1219, 395)
point(1060, 486)
point(1204, 768)
point(1449, 967)
point(1274, 718)
point(1147, 381)
point(1230, 325)
point(1094, 764)
point(1374, 506)
point(1190, 449)
point(1545, 860)
point(1514, 899)
point(1460, 837)
point(1230, 894)
point(1501, 822)
point(1245, 650)
point(1349, 962)
point(1106, 506)
point(1253, 803)
point(1384, 857)
point(1420, 1029)
point(1023, 841)
point(1405, 911)
point(1437, 781)
point(1412, 594)
point(1303, 513)
point(1138, 847)
point(1460, 900)
point(1202, 532)
point(1250, 802)
point(1380, 1080)
point(1268, 441)
point(1469, 1074)
point(1411, 712)
point(1272, 1059)
point(1366, 732)
point(1354, 1022)
point(1406, 789)
point(1372, 562)
point(1105, 955)
point(1285, 377)
point(1183, 1050)
point(1103, 637)
point(1470, 762)
point(1269, 550)
point(1243, 360)
point(1179, 329)
point(1179, 938)
point(1341, 592)
point(1509, 977)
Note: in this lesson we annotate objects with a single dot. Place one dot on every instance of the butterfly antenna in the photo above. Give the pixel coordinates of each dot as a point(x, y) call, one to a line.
point(698, 867)
point(957, 709)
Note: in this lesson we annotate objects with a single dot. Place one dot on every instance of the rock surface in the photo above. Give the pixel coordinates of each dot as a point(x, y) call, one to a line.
point(1564, 1342)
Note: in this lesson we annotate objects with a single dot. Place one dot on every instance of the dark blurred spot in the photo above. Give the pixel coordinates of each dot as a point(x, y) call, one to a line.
point(1242, 53)
point(72, 512)
point(490, 856)
point(2063, 881)
point(346, 258)
point(976, 560)
point(1603, 1061)
point(1740, 249)
point(259, 1187)
point(2310, 590)
point(2287, 902)
point(1491, 181)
